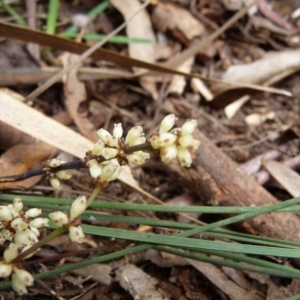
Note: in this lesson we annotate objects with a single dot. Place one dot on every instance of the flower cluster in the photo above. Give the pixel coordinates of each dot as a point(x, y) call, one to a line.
point(54, 177)
point(71, 220)
point(22, 230)
point(113, 149)
point(20, 278)
point(178, 142)
point(20, 227)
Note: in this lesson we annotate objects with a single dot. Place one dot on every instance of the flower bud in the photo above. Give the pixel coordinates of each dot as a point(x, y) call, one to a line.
point(76, 234)
point(188, 127)
point(39, 222)
point(186, 141)
point(18, 205)
point(184, 157)
point(11, 252)
point(107, 138)
point(7, 234)
point(78, 207)
point(25, 237)
point(18, 224)
point(168, 153)
point(98, 147)
point(54, 162)
point(166, 139)
point(33, 212)
point(5, 270)
point(138, 158)
point(133, 134)
point(59, 218)
point(109, 153)
point(5, 213)
point(55, 183)
point(118, 130)
point(64, 175)
point(108, 170)
point(15, 213)
point(167, 123)
point(20, 279)
point(94, 168)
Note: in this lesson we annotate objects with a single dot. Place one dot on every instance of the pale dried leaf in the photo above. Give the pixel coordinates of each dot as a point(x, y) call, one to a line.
point(34, 123)
point(178, 82)
point(168, 16)
point(75, 94)
point(256, 119)
point(262, 69)
point(138, 283)
point(139, 27)
point(288, 178)
point(198, 86)
point(231, 109)
point(99, 272)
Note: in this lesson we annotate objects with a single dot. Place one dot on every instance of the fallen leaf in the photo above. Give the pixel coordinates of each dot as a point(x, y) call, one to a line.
point(256, 119)
point(75, 94)
point(218, 278)
point(138, 283)
point(21, 158)
point(178, 82)
point(287, 178)
point(263, 69)
point(139, 27)
point(99, 272)
point(168, 16)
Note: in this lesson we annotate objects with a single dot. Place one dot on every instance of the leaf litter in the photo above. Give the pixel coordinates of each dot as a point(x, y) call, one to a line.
point(261, 47)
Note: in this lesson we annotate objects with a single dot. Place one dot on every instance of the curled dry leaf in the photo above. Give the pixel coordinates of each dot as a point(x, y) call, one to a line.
point(75, 94)
point(168, 16)
point(139, 27)
point(270, 66)
point(178, 82)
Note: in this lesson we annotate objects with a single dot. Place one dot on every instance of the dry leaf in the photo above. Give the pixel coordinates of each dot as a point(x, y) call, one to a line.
point(263, 69)
point(198, 86)
point(22, 158)
point(139, 27)
point(168, 16)
point(178, 82)
point(75, 94)
point(138, 283)
point(219, 279)
point(99, 272)
point(288, 178)
point(256, 119)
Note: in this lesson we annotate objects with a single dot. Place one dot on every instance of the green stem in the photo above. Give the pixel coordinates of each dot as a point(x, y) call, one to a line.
point(93, 196)
point(42, 242)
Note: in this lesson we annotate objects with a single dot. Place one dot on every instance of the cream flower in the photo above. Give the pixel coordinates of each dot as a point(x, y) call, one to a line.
point(112, 146)
point(177, 143)
point(62, 219)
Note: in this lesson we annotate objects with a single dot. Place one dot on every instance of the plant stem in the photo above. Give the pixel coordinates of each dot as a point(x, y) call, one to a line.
point(42, 242)
point(93, 196)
